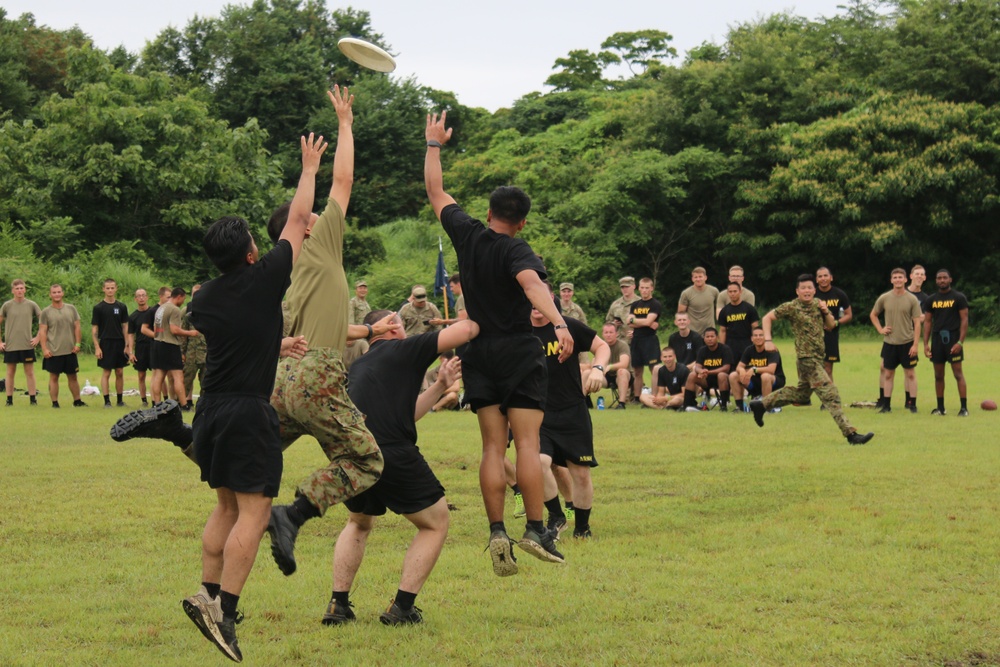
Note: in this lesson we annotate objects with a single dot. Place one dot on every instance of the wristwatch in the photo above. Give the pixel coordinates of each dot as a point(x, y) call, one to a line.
point(598, 367)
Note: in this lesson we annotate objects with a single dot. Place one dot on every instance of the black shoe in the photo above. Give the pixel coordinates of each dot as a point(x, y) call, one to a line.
point(162, 421)
point(79, 404)
point(338, 614)
point(557, 525)
point(912, 408)
point(396, 616)
point(55, 404)
point(884, 410)
point(121, 404)
point(584, 534)
point(859, 439)
point(145, 402)
point(283, 533)
point(229, 645)
point(758, 410)
point(620, 406)
point(723, 407)
point(504, 563)
point(32, 401)
point(962, 413)
point(942, 412)
point(542, 547)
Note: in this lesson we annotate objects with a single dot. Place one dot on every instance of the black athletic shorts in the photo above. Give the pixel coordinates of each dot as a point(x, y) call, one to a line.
point(941, 344)
point(568, 435)
point(898, 355)
point(612, 378)
point(142, 357)
point(113, 353)
point(237, 443)
point(19, 357)
point(644, 351)
point(166, 356)
point(755, 388)
point(63, 364)
point(407, 485)
point(831, 340)
point(508, 371)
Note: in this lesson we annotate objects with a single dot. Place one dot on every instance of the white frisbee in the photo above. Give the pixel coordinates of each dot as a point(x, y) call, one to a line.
point(366, 54)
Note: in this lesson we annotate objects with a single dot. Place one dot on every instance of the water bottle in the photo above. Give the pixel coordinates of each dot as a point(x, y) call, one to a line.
point(600, 402)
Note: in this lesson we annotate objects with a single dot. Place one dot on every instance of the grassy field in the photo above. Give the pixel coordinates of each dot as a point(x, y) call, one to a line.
point(716, 543)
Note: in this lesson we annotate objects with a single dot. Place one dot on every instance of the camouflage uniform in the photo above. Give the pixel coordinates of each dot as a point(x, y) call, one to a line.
point(574, 311)
point(620, 310)
point(359, 308)
point(807, 325)
point(413, 318)
point(194, 349)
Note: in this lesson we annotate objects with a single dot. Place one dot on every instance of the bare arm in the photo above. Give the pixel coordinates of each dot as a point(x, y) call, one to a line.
point(538, 295)
point(300, 211)
point(873, 316)
point(848, 316)
point(962, 329)
point(433, 176)
point(927, 334)
point(602, 355)
point(343, 159)
point(765, 324)
point(384, 325)
point(457, 334)
point(43, 338)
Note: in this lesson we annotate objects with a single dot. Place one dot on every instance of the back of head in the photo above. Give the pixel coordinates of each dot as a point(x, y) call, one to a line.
point(510, 204)
point(227, 242)
point(176, 292)
point(276, 223)
point(375, 316)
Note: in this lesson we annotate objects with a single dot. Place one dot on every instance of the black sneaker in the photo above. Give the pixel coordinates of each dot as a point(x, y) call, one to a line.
point(55, 404)
point(108, 406)
point(396, 616)
point(758, 410)
point(283, 533)
point(962, 413)
point(228, 644)
point(79, 404)
point(912, 408)
point(859, 439)
point(557, 525)
point(582, 534)
point(723, 407)
point(504, 563)
point(542, 547)
point(162, 421)
point(145, 402)
point(884, 410)
point(942, 412)
point(620, 406)
point(121, 404)
point(338, 614)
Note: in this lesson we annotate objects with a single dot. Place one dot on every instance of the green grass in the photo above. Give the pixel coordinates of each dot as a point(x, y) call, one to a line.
point(716, 543)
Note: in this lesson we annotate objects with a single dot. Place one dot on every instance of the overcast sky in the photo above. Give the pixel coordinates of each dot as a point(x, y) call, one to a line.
point(489, 54)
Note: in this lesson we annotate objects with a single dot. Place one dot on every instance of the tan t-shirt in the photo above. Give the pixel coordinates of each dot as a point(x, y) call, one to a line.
point(898, 311)
point(17, 318)
point(723, 298)
point(617, 350)
point(61, 333)
point(700, 306)
point(167, 314)
point(318, 297)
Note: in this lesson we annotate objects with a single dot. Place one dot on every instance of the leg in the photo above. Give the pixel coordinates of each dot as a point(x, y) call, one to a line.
point(178, 378)
point(637, 382)
point(828, 367)
point(888, 380)
point(74, 386)
point(583, 486)
point(432, 529)
point(54, 387)
point(827, 393)
point(525, 424)
point(939, 379)
point(11, 370)
point(105, 381)
point(29, 377)
point(956, 369)
point(623, 378)
point(766, 382)
point(738, 388)
point(119, 380)
point(142, 385)
point(550, 487)
point(213, 540)
point(564, 482)
point(157, 388)
point(254, 510)
point(350, 549)
point(493, 429)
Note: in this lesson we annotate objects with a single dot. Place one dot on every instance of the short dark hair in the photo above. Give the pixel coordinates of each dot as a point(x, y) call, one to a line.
point(805, 278)
point(106, 281)
point(176, 292)
point(455, 278)
point(276, 223)
point(731, 283)
point(510, 204)
point(227, 242)
point(375, 316)
point(712, 329)
point(945, 271)
point(898, 269)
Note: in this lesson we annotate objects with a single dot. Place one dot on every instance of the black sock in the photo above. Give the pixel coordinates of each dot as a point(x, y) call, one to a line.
point(569, 505)
point(405, 600)
point(498, 525)
point(537, 526)
point(724, 397)
point(145, 401)
point(343, 597)
point(516, 490)
point(301, 510)
point(940, 403)
point(688, 398)
point(881, 394)
point(229, 602)
point(965, 406)
point(908, 399)
point(119, 397)
point(887, 402)
point(33, 399)
point(10, 400)
point(107, 399)
point(213, 589)
point(582, 520)
point(739, 403)
point(554, 508)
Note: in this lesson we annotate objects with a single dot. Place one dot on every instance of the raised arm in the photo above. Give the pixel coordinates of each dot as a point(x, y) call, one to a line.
point(765, 324)
point(437, 136)
point(300, 211)
point(457, 334)
point(343, 159)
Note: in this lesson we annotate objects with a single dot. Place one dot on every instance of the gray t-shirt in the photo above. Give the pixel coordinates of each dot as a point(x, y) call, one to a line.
point(17, 323)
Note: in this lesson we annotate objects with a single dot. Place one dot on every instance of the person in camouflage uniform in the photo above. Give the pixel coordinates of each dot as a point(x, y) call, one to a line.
point(194, 349)
point(358, 308)
point(809, 317)
point(420, 315)
point(620, 307)
point(567, 305)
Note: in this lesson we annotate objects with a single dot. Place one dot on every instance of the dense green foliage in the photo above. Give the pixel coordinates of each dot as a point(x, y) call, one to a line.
point(862, 141)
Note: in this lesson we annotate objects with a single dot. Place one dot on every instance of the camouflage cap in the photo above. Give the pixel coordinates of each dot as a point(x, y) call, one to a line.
point(627, 280)
point(568, 286)
point(361, 283)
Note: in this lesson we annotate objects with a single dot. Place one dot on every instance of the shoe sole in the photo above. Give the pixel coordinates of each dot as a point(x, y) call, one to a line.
point(538, 551)
point(386, 619)
point(503, 557)
point(125, 427)
point(329, 619)
point(286, 565)
point(196, 612)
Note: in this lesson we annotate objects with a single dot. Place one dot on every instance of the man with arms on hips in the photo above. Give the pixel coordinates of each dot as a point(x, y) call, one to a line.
point(671, 379)
point(711, 371)
point(166, 354)
point(758, 373)
point(59, 334)
point(618, 372)
point(839, 304)
point(620, 307)
point(418, 314)
point(685, 341)
point(18, 316)
point(643, 318)
point(359, 309)
point(109, 328)
point(808, 317)
point(737, 320)
point(139, 341)
point(735, 276)
point(504, 369)
point(385, 385)
point(236, 432)
point(698, 301)
point(901, 335)
point(946, 323)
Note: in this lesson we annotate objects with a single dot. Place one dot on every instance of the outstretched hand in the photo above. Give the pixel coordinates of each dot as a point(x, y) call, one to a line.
point(343, 102)
point(451, 370)
point(436, 130)
point(312, 151)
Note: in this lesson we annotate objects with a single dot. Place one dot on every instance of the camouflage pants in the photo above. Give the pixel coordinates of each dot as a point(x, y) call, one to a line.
point(812, 378)
point(310, 396)
point(194, 366)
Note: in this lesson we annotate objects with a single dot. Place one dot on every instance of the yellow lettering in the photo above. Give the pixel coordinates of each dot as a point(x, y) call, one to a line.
point(736, 317)
point(552, 349)
point(641, 311)
point(832, 303)
point(943, 304)
point(711, 363)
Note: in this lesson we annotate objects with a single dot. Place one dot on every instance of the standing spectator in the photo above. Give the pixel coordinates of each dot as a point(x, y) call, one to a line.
point(417, 314)
point(166, 352)
point(901, 332)
point(698, 301)
point(735, 276)
point(566, 304)
point(139, 340)
point(193, 352)
point(948, 320)
point(59, 334)
point(109, 328)
point(359, 308)
point(645, 349)
point(737, 320)
point(18, 345)
point(619, 310)
point(918, 275)
point(840, 306)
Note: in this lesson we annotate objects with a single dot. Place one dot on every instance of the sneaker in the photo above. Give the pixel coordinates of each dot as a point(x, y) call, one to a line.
point(79, 404)
point(162, 421)
point(205, 612)
point(912, 408)
point(692, 408)
point(774, 411)
point(55, 404)
point(518, 506)
point(962, 413)
point(283, 533)
point(942, 412)
point(338, 614)
point(396, 616)
point(582, 534)
point(859, 439)
point(108, 406)
point(758, 410)
point(884, 410)
point(228, 644)
point(542, 547)
point(620, 406)
point(570, 514)
point(504, 563)
point(121, 404)
point(557, 525)
point(723, 407)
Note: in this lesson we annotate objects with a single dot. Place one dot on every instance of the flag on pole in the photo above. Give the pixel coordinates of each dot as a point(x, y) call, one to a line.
point(441, 285)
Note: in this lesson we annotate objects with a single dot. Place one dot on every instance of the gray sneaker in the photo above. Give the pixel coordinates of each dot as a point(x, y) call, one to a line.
point(542, 547)
point(504, 563)
point(206, 614)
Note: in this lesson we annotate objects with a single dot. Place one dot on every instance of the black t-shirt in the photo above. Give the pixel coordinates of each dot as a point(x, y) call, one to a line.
point(644, 308)
point(686, 347)
point(713, 360)
point(565, 384)
point(945, 308)
point(489, 263)
point(921, 297)
point(672, 382)
point(738, 320)
point(836, 300)
point(135, 322)
point(109, 318)
point(754, 359)
point(385, 382)
point(239, 313)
